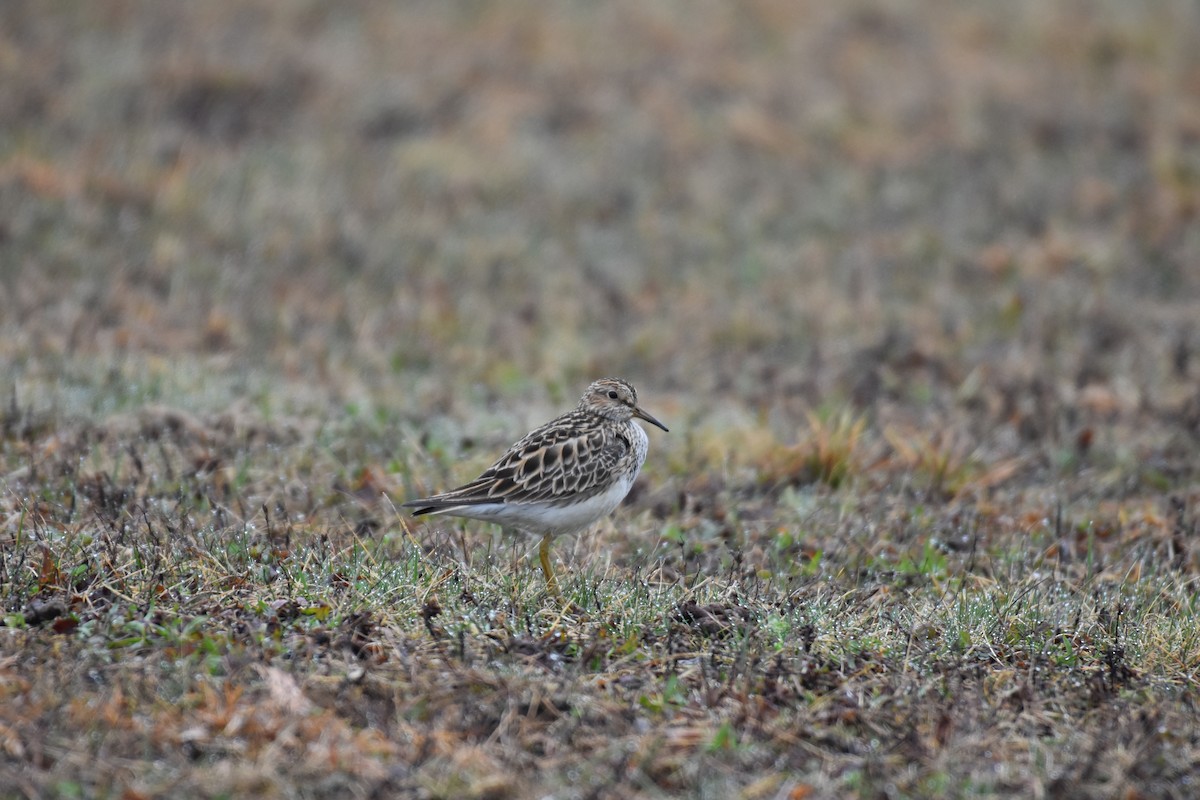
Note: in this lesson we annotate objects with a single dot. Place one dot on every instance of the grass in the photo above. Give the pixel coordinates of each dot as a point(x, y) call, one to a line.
point(219, 647)
point(912, 287)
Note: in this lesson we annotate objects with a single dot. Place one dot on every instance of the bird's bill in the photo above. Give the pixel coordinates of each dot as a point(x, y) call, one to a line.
point(637, 412)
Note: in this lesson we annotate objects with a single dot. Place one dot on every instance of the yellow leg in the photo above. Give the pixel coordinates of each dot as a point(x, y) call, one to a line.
point(547, 570)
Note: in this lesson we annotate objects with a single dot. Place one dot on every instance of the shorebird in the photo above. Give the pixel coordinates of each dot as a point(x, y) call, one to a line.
point(561, 477)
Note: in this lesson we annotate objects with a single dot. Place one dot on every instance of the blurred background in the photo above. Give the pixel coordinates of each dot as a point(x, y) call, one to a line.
point(914, 208)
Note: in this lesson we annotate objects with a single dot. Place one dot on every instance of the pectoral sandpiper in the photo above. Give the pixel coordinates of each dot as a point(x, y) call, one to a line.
point(561, 477)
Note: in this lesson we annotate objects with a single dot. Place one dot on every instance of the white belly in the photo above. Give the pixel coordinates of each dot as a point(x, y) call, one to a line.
point(550, 519)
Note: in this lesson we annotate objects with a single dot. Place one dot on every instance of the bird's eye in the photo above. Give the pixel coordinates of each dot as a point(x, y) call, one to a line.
point(612, 395)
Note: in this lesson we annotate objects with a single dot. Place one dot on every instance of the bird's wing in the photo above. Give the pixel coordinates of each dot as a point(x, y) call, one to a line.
point(568, 459)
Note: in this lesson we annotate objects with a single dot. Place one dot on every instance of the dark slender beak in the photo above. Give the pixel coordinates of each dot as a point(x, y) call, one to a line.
point(637, 412)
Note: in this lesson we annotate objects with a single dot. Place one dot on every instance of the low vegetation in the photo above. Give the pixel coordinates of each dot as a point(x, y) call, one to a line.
point(914, 289)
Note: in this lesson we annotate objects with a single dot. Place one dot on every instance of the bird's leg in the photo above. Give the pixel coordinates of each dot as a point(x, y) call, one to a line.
point(547, 570)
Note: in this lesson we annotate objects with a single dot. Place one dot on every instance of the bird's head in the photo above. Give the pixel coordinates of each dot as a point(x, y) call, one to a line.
point(615, 399)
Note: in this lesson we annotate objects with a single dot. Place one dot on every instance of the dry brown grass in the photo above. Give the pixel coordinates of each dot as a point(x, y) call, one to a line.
point(914, 287)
